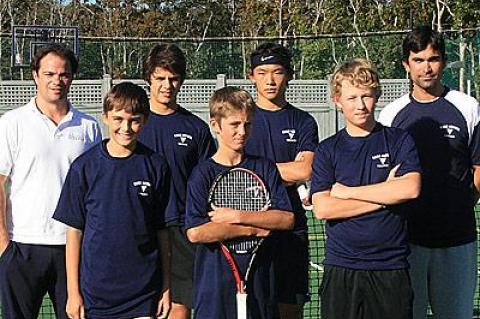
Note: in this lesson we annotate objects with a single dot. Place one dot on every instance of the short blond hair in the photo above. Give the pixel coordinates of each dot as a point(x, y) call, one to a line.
point(358, 72)
point(228, 99)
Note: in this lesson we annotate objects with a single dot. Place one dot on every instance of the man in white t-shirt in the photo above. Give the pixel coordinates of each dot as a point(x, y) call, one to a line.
point(38, 142)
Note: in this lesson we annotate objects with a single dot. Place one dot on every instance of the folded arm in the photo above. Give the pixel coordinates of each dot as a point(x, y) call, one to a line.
point(273, 219)
point(348, 201)
point(326, 206)
point(211, 232)
point(395, 190)
point(299, 170)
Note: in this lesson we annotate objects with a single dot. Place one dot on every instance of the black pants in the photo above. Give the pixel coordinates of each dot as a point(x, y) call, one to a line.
point(183, 255)
point(291, 269)
point(365, 294)
point(27, 273)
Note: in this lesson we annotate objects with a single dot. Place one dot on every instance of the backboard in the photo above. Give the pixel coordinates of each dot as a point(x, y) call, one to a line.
point(26, 39)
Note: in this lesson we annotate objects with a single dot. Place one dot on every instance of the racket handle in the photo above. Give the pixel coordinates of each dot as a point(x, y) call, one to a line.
point(304, 194)
point(241, 305)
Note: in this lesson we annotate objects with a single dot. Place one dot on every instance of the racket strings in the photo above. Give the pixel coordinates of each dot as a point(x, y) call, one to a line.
point(241, 190)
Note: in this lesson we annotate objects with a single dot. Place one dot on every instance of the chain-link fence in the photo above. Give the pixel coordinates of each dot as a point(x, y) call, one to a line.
point(314, 58)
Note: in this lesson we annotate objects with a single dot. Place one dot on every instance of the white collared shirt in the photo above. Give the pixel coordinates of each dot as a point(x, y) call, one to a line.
point(36, 154)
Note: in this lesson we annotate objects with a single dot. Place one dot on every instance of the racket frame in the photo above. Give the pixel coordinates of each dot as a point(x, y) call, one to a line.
point(240, 283)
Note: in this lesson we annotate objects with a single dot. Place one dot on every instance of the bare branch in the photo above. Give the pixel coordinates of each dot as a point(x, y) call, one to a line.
point(205, 31)
point(355, 26)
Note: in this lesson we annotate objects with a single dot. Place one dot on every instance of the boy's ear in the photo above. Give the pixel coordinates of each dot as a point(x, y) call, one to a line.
point(105, 118)
point(215, 125)
point(335, 100)
point(250, 75)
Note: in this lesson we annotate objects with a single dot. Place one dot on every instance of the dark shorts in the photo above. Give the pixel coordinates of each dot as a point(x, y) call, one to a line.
point(183, 254)
point(291, 267)
point(27, 273)
point(365, 294)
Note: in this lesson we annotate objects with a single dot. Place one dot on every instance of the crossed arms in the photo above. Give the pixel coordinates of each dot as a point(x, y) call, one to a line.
point(227, 223)
point(343, 201)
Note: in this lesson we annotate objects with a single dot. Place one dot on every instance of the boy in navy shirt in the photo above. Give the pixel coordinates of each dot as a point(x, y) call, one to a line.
point(359, 175)
point(113, 201)
point(287, 136)
point(214, 285)
point(184, 140)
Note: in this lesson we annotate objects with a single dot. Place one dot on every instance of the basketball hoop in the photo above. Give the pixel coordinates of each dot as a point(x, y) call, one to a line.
point(27, 39)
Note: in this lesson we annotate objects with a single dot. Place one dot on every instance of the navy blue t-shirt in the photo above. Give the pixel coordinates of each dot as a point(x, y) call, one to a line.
point(119, 205)
point(214, 285)
point(377, 240)
point(446, 134)
point(184, 140)
point(279, 136)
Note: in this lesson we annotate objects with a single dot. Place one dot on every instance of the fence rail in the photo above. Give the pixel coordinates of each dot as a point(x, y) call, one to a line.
point(311, 95)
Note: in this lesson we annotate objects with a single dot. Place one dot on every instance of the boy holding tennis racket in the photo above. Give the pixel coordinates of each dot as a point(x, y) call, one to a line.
point(360, 174)
point(233, 279)
point(113, 202)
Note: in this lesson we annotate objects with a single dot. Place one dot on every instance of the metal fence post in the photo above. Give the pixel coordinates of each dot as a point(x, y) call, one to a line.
point(221, 81)
point(332, 109)
point(106, 84)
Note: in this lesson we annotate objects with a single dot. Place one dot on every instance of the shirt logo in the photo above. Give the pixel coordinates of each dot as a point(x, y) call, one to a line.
point(383, 160)
point(266, 58)
point(76, 137)
point(450, 130)
point(182, 138)
point(71, 136)
point(143, 187)
point(291, 134)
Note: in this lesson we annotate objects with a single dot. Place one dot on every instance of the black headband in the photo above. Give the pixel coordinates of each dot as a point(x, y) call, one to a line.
point(270, 58)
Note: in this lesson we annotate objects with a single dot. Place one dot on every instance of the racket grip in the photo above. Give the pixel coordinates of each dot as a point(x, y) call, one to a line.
point(303, 191)
point(241, 305)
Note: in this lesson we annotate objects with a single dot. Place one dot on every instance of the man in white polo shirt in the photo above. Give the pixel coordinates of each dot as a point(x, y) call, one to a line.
point(38, 142)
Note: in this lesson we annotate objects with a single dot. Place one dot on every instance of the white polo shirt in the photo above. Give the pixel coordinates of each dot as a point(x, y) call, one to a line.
point(36, 155)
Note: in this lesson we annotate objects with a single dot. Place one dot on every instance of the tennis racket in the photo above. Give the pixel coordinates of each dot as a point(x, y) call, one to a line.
point(240, 189)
